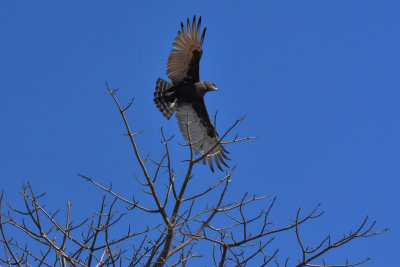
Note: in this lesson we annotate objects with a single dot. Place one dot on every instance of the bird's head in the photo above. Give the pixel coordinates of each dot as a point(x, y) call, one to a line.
point(209, 86)
point(204, 87)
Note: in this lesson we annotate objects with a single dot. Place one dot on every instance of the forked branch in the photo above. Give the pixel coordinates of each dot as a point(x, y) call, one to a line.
point(180, 218)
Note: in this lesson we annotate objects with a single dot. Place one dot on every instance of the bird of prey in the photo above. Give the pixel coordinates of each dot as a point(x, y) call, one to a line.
point(185, 94)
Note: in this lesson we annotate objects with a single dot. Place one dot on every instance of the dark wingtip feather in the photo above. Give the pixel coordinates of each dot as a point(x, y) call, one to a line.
point(210, 163)
point(183, 28)
point(199, 24)
point(225, 156)
point(217, 162)
point(202, 36)
point(222, 160)
point(194, 25)
point(188, 25)
point(226, 151)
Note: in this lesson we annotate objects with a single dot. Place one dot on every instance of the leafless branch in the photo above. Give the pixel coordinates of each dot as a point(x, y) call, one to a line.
point(181, 218)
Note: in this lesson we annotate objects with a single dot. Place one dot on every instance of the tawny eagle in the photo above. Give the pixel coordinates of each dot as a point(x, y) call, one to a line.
point(185, 94)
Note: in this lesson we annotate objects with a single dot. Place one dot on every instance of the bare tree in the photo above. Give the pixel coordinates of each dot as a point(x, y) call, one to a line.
point(184, 225)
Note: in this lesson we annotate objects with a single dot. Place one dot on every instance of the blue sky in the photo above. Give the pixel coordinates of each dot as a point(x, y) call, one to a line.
point(318, 80)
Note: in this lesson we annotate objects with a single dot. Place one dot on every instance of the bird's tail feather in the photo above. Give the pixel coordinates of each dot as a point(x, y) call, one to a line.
point(162, 98)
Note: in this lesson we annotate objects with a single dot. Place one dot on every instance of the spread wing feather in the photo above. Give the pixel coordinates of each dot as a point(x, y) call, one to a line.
point(198, 131)
point(183, 61)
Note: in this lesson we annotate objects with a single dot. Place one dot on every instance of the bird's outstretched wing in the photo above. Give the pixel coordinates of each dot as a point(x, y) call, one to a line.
point(183, 62)
point(196, 128)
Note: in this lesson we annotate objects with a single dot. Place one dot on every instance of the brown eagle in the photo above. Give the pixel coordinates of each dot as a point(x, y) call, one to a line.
point(185, 94)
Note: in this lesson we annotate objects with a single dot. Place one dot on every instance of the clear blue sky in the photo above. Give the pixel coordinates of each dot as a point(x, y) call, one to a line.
point(318, 80)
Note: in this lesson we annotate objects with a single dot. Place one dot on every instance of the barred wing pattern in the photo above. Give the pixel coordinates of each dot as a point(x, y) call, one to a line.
point(161, 96)
point(200, 133)
point(183, 62)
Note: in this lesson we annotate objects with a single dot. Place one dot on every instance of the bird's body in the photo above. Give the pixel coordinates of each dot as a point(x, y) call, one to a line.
point(185, 95)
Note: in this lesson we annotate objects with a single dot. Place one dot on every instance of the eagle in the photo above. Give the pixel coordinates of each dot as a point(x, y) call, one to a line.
point(185, 95)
